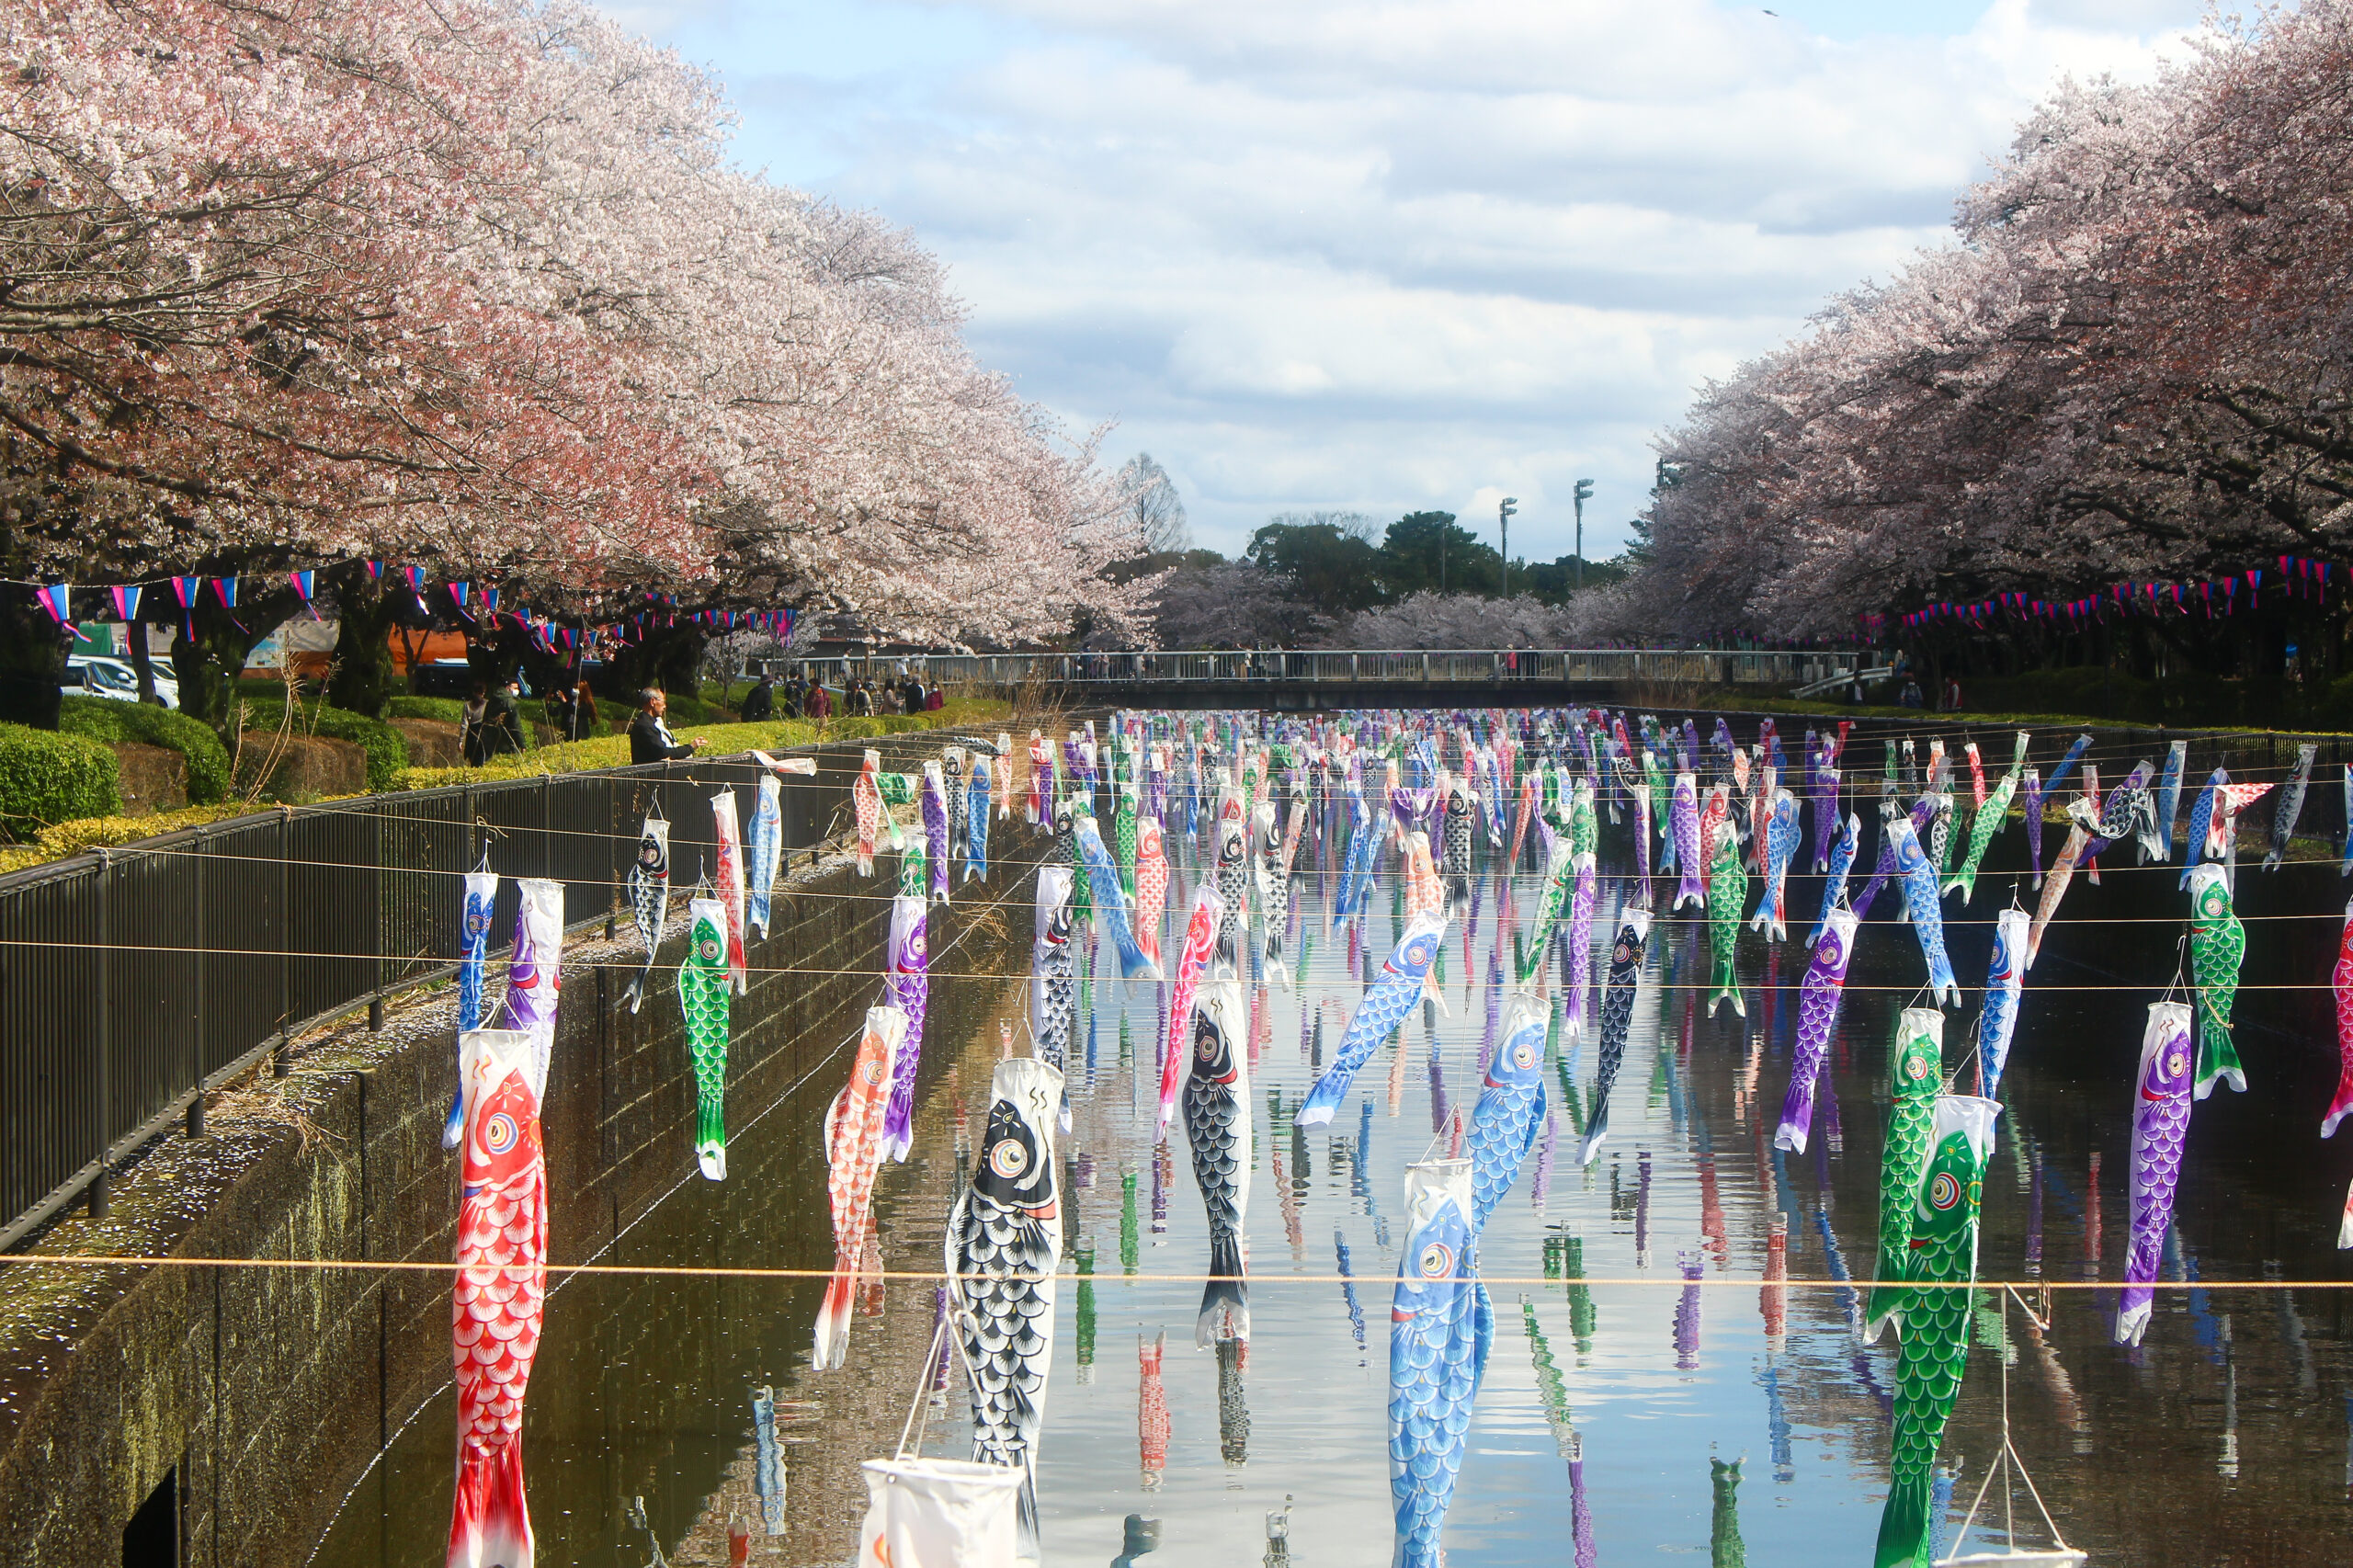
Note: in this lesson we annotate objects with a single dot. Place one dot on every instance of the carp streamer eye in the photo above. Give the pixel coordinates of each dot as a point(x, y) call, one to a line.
point(874, 1071)
point(498, 1133)
point(1916, 1068)
point(1008, 1159)
point(1436, 1261)
point(709, 949)
point(1523, 1056)
point(1944, 1192)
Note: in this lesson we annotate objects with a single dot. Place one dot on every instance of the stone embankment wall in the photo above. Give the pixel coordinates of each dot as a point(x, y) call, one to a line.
point(247, 1400)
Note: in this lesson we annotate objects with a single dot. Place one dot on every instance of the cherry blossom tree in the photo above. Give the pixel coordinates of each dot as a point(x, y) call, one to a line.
point(2131, 367)
point(473, 285)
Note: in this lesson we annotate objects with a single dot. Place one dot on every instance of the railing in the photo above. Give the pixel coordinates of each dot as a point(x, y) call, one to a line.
point(1325, 666)
point(133, 980)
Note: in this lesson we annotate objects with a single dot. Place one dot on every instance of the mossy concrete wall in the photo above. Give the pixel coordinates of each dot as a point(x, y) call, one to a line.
point(267, 1391)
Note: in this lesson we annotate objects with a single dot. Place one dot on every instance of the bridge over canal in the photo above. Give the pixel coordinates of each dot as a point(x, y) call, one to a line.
point(1305, 679)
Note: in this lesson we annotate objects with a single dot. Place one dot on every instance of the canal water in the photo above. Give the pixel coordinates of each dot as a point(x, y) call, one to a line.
point(1631, 1304)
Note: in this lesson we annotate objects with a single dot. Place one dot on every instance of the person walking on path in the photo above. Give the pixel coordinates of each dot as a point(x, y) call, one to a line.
point(474, 723)
point(503, 722)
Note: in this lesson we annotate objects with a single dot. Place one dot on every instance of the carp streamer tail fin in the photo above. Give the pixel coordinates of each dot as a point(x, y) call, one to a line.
point(1225, 1299)
point(490, 1525)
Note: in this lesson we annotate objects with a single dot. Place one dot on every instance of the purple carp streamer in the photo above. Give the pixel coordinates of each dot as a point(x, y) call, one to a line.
point(2342, 980)
point(1826, 812)
point(907, 986)
point(1580, 956)
point(2160, 1107)
point(935, 829)
point(535, 969)
point(1818, 998)
point(1685, 819)
point(2032, 790)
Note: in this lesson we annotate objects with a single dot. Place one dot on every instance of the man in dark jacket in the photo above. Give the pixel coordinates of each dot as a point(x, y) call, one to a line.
point(503, 734)
point(650, 739)
point(759, 703)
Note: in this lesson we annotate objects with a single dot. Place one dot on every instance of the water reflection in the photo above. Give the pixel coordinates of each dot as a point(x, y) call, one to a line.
point(2227, 1436)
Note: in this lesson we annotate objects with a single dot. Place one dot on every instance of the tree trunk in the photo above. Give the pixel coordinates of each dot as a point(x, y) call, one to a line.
point(361, 679)
point(209, 663)
point(143, 663)
point(32, 660)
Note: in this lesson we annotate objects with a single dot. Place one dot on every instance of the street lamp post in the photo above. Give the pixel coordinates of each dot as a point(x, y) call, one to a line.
point(1584, 493)
point(1504, 509)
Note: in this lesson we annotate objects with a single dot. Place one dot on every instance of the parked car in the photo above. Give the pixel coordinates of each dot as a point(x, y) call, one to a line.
point(115, 679)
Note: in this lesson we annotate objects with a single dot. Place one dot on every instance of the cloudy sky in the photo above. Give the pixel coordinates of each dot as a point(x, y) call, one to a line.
point(1388, 255)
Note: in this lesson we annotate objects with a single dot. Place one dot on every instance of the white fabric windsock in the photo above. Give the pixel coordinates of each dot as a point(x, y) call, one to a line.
point(938, 1514)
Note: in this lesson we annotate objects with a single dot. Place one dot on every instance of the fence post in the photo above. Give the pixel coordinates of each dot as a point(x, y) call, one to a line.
point(284, 933)
point(105, 1074)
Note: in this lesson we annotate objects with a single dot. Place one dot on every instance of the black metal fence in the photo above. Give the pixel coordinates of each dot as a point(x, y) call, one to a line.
point(133, 980)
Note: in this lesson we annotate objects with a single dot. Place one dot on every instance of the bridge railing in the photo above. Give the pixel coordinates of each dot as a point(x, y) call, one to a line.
point(1344, 667)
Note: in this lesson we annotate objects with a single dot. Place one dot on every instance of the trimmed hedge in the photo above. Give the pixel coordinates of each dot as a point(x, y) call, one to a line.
point(102, 719)
point(726, 740)
point(387, 749)
point(448, 709)
point(112, 833)
point(48, 778)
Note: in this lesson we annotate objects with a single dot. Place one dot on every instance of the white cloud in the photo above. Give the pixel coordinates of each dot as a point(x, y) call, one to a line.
point(1398, 255)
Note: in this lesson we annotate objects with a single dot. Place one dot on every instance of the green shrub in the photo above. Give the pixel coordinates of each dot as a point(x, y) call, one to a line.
point(47, 777)
point(102, 719)
point(681, 709)
point(448, 709)
point(387, 749)
point(113, 832)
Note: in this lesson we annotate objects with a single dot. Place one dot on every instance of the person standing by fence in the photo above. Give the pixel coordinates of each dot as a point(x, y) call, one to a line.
point(650, 739)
